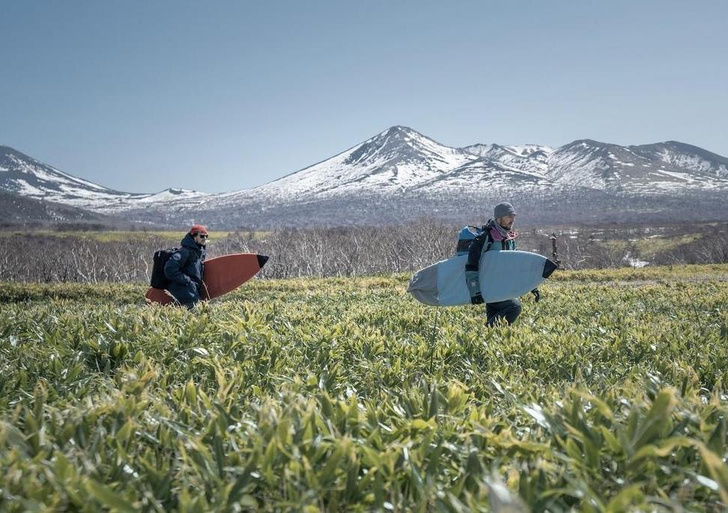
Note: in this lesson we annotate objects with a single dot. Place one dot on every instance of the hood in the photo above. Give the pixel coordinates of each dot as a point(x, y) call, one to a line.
point(189, 242)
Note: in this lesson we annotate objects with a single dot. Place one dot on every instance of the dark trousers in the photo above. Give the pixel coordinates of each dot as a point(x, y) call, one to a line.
point(190, 305)
point(508, 310)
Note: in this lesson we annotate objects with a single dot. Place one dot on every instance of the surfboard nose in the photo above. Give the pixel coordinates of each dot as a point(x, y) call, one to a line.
point(262, 259)
point(548, 268)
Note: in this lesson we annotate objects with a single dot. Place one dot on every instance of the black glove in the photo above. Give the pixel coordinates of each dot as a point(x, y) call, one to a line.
point(477, 299)
point(536, 295)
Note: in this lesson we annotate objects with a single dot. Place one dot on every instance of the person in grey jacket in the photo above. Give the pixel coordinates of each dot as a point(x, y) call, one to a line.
point(498, 235)
point(186, 266)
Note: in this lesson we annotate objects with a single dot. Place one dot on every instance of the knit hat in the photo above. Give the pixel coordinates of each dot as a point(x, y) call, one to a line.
point(503, 209)
point(198, 228)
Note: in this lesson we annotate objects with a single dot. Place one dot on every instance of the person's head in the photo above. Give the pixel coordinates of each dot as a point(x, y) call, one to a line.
point(199, 234)
point(505, 215)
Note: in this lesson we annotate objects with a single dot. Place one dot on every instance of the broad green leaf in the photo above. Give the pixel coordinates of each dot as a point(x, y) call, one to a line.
point(108, 498)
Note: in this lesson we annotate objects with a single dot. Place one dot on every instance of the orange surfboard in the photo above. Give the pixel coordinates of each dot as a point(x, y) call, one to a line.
point(222, 274)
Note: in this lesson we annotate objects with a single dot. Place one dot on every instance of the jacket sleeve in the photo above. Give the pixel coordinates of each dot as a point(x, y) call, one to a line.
point(472, 280)
point(173, 267)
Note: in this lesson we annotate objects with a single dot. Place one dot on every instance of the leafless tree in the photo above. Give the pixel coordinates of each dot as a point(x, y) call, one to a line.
point(350, 251)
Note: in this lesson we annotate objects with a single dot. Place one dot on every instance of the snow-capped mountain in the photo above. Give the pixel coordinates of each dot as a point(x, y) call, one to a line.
point(401, 160)
point(390, 162)
point(669, 167)
point(400, 174)
point(23, 175)
point(26, 176)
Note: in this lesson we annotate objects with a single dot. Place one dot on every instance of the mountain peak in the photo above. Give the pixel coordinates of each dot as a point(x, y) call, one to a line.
point(683, 147)
point(401, 129)
point(7, 152)
point(398, 135)
point(395, 145)
point(587, 143)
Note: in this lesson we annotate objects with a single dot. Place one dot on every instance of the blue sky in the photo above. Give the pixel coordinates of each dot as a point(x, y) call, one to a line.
point(226, 95)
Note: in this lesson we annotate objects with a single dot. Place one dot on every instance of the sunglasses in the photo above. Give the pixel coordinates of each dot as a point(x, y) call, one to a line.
point(201, 235)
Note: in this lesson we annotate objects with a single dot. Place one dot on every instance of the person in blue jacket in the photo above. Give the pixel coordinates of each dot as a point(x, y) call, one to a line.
point(498, 235)
point(185, 267)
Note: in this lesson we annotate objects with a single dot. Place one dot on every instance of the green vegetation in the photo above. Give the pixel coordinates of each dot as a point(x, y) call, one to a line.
point(99, 236)
point(347, 395)
point(648, 247)
point(663, 275)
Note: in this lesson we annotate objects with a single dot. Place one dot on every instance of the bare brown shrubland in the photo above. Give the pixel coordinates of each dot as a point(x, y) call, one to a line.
point(353, 251)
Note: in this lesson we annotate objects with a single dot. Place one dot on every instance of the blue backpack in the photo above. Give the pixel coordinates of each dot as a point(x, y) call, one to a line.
point(466, 237)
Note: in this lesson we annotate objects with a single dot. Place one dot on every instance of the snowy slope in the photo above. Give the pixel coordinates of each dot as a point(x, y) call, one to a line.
point(531, 158)
point(23, 175)
point(648, 169)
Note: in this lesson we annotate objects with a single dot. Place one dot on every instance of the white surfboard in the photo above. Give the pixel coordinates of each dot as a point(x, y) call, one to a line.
point(503, 275)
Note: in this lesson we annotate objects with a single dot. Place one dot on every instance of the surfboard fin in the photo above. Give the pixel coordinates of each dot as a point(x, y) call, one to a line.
point(548, 268)
point(262, 259)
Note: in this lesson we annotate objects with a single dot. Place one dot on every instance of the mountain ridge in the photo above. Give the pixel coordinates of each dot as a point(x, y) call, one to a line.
point(402, 170)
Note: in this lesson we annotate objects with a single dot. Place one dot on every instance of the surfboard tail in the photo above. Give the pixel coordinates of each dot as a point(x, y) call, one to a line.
point(423, 286)
point(548, 268)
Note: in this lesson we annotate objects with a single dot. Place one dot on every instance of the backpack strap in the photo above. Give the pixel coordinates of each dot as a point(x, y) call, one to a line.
point(476, 249)
point(490, 241)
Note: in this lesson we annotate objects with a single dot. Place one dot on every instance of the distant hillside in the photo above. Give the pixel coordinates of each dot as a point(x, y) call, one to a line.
point(16, 210)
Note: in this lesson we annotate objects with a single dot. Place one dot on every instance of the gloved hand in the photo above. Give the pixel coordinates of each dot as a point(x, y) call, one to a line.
point(536, 295)
point(477, 299)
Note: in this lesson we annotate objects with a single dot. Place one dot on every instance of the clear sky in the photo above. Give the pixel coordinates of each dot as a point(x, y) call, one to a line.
point(226, 95)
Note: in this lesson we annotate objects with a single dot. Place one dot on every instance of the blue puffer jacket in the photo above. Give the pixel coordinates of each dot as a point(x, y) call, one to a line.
point(184, 270)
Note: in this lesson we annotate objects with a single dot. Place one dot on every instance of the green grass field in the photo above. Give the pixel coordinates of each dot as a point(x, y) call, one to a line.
point(347, 395)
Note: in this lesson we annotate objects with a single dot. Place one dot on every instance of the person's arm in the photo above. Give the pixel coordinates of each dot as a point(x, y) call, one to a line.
point(472, 275)
point(173, 267)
